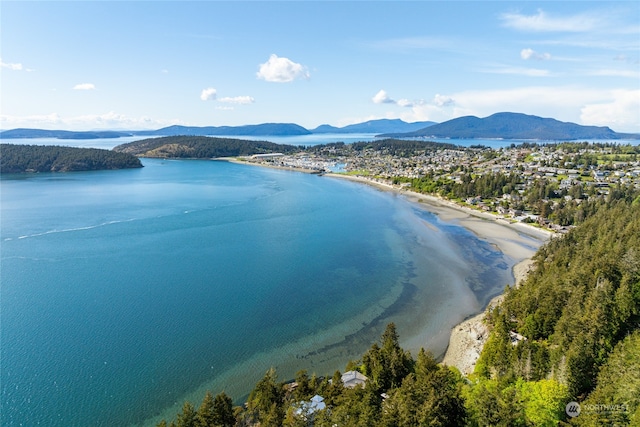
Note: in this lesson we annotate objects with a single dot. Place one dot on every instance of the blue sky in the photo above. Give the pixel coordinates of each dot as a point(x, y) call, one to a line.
point(131, 65)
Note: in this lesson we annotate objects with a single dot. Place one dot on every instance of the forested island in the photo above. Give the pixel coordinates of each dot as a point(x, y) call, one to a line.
point(51, 158)
point(569, 333)
point(201, 147)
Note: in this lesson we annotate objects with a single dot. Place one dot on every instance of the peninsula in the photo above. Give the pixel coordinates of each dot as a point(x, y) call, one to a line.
point(553, 186)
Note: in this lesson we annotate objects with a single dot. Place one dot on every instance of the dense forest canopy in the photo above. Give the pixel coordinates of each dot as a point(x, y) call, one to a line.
point(577, 308)
point(400, 147)
point(51, 158)
point(582, 298)
point(201, 147)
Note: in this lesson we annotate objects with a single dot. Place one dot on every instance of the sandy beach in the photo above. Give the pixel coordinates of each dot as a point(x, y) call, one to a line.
point(467, 338)
point(485, 225)
point(515, 239)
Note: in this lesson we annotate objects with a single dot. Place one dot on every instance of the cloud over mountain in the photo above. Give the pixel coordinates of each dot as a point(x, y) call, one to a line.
point(443, 100)
point(383, 98)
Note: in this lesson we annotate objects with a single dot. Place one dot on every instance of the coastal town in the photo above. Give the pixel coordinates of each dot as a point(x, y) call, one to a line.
point(548, 185)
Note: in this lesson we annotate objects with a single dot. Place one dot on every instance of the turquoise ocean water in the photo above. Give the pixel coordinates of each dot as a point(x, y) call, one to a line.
point(125, 292)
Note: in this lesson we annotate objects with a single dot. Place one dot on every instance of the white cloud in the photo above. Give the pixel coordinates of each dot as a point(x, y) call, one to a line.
point(237, 100)
point(211, 94)
point(428, 112)
point(520, 71)
point(621, 111)
point(84, 86)
point(532, 54)
point(382, 98)
point(208, 94)
point(281, 70)
point(442, 100)
point(110, 120)
point(11, 66)
point(541, 22)
point(418, 110)
point(46, 119)
point(406, 103)
point(607, 72)
point(440, 109)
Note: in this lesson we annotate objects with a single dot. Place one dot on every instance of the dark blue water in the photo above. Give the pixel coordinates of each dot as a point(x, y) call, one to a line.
point(125, 292)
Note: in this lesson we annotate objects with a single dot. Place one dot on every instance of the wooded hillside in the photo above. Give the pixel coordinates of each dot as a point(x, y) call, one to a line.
point(51, 158)
point(200, 147)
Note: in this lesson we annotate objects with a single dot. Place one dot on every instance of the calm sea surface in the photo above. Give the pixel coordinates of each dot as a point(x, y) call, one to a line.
point(304, 140)
point(125, 292)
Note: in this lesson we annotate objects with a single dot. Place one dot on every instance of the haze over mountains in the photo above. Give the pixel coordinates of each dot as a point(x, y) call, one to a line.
point(499, 125)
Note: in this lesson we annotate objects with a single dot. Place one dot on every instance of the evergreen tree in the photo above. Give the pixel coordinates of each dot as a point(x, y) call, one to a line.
point(266, 400)
point(334, 390)
point(204, 417)
point(187, 418)
point(223, 414)
point(304, 390)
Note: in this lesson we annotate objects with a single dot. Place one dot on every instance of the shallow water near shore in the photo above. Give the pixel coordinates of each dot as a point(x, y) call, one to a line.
point(126, 292)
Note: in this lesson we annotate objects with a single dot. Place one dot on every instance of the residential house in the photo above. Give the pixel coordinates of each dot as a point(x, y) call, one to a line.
point(352, 379)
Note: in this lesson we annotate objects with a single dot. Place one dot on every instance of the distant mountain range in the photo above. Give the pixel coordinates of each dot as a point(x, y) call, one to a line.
point(499, 125)
point(60, 134)
point(265, 129)
point(512, 126)
point(375, 126)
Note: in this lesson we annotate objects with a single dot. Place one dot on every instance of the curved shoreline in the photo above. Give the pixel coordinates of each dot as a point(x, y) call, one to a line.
point(467, 338)
point(508, 238)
